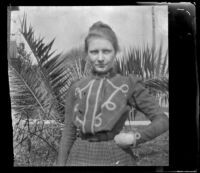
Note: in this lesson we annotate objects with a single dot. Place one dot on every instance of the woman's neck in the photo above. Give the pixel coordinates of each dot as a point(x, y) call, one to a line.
point(111, 72)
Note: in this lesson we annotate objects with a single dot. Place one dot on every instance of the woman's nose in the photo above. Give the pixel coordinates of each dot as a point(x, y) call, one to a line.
point(100, 57)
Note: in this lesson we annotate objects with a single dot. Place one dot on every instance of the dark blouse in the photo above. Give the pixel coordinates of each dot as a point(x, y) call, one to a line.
point(102, 103)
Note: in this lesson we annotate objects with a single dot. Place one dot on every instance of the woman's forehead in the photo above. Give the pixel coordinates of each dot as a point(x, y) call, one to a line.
point(99, 43)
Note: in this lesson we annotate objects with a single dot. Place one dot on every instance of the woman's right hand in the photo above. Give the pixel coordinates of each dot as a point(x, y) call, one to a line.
point(125, 140)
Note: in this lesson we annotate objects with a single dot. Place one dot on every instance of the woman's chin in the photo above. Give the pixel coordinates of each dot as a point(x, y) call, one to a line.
point(101, 70)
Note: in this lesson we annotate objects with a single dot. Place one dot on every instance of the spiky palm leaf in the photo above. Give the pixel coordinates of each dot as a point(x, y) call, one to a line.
point(58, 72)
point(157, 84)
point(53, 73)
point(146, 64)
point(77, 62)
point(164, 69)
point(27, 90)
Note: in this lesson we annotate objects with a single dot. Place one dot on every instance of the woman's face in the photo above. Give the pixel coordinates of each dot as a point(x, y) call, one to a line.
point(101, 54)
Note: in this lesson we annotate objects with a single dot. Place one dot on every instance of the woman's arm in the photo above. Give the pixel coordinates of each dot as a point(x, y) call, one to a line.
point(69, 131)
point(147, 104)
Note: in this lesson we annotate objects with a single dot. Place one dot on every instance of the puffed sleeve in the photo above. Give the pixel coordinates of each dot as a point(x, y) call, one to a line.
point(69, 131)
point(145, 103)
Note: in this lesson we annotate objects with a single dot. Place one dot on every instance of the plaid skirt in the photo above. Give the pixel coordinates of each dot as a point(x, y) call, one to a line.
point(104, 153)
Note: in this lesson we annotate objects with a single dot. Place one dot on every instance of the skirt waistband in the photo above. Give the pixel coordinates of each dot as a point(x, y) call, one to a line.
point(97, 137)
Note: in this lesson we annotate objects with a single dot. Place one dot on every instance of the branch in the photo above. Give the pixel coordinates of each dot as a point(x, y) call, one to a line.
point(44, 141)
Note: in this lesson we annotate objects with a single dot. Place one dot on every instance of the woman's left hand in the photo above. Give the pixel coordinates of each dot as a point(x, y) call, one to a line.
point(125, 140)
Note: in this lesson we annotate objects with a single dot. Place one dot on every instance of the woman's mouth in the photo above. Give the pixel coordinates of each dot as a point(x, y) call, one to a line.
point(101, 65)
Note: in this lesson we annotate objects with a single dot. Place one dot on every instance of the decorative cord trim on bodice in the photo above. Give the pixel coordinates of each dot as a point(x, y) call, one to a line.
point(111, 106)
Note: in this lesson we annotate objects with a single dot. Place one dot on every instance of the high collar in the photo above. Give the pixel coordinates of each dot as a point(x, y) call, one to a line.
point(110, 73)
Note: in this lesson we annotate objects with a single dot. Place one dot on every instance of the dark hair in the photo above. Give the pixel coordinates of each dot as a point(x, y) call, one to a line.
point(100, 29)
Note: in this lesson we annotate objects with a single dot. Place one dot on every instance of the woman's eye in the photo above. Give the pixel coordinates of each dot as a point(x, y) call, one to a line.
point(94, 52)
point(106, 51)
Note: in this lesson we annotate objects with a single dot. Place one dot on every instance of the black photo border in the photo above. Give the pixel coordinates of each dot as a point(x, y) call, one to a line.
point(183, 89)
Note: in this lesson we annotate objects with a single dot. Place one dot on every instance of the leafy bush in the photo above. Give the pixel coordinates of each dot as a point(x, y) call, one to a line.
point(36, 142)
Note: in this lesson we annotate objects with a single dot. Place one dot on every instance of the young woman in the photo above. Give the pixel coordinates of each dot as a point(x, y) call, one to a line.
point(98, 105)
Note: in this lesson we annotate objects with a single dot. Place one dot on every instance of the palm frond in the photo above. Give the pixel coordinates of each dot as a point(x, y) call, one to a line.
point(51, 66)
point(27, 90)
point(164, 69)
point(157, 84)
point(146, 64)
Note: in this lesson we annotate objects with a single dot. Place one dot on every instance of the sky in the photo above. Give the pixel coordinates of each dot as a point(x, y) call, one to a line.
point(69, 25)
